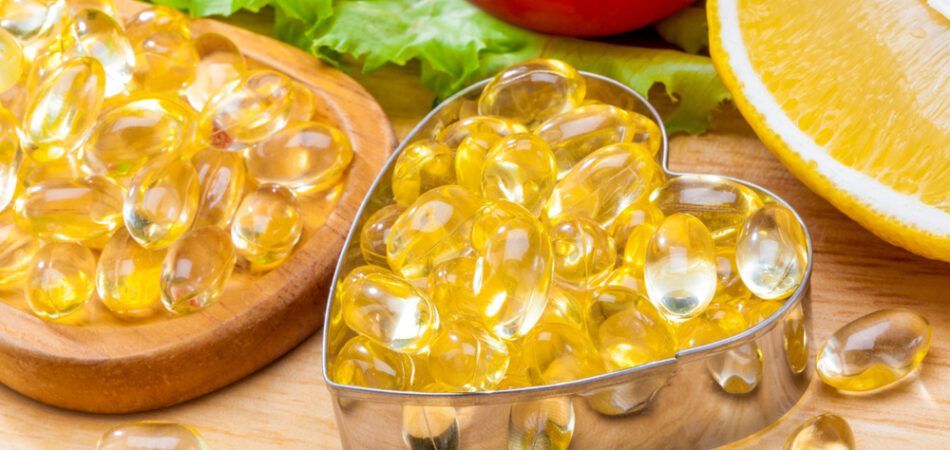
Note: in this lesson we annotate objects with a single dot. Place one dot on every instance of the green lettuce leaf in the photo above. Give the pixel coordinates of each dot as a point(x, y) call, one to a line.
point(687, 29)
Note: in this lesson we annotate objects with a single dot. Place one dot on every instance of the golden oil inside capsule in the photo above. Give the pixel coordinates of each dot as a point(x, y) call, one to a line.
point(638, 213)
point(453, 285)
point(500, 127)
point(533, 91)
point(128, 276)
point(166, 61)
point(584, 253)
point(602, 185)
point(13, 63)
point(361, 362)
point(11, 157)
point(470, 160)
point(77, 209)
point(729, 285)
point(556, 353)
point(722, 205)
point(61, 279)
point(127, 136)
point(267, 225)
point(35, 23)
point(467, 356)
point(106, 6)
point(875, 351)
point(162, 201)
point(772, 253)
point(221, 176)
point(436, 228)
point(822, 432)
point(219, 64)
point(492, 215)
point(567, 305)
point(196, 268)
point(17, 249)
point(680, 267)
point(390, 311)
point(795, 339)
point(155, 19)
point(66, 168)
point(303, 107)
point(638, 241)
point(150, 434)
point(629, 277)
point(248, 110)
point(520, 169)
point(304, 156)
point(421, 167)
point(374, 233)
point(717, 322)
point(737, 370)
point(45, 63)
point(635, 335)
point(62, 113)
point(547, 424)
point(93, 33)
point(430, 427)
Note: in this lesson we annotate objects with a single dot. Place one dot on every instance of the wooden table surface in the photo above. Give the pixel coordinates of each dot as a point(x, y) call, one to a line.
point(285, 405)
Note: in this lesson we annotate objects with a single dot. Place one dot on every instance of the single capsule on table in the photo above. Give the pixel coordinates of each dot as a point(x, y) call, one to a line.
point(635, 335)
point(162, 201)
point(61, 279)
point(13, 63)
point(11, 157)
point(304, 156)
point(267, 225)
point(128, 276)
point(533, 91)
point(62, 113)
point(602, 185)
point(467, 356)
point(362, 362)
point(155, 19)
point(822, 432)
point(74, 209)
point(555, 353)
point(166, 61)
point(196, 268)
point(219, 63)
point(722, 205)
point(717, 322)
point(680, 267)
point(152, 435)
point(875, 351)
point(421, 167)
point(520, 169)
point(221, 177)
point(499, 127)
point(772, 253)
point(93, 33)
point(547, 424)
point(583, 252)
point(374, 233)
point(17, 249)
point(247, 110)
point(639, 213)
point(452, 287)
point(106, 6)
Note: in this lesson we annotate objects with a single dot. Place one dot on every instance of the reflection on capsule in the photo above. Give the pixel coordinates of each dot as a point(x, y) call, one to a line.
point(533, 91)
point(737, 370)
point(430, 427)
point(822, 432)
point(547, 424)
point(153, 435)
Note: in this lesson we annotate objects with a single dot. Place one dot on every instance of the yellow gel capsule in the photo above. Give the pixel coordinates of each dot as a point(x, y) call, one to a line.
point(874, 352)
point(219, 64)
point(421, 167)
point(247, 110)
point(458, 131)
point(637, 335)
point(374, 233)
point(303, 107)
point(155, 19)
point(61, 279)
point(604, 302)
point(62, 113)
point(470, 160)
point(737, 370)
point(128, 276)
point(32, 173)
point(555, 353)
point(196, 268)
point(12, 56)
point(717, 322)
point(604, 184)
point(452, 287)
point(754, 309)
point(638, 241)
point(722, 205)
point(17, 249)
point(304, 156)
point(729, 285)
point(166, 61)
point(11, 157)
point(567, 305)
point(33, 22)
point(152, 435)
point(584, 253)
point(638, 213)
point(162, 201)
point(492, 215)
point(267, 226)
point(795, 339)
point(520, 169)
point(390, 311)
point(221, 176)
point(362, 362)
point(533, 91)
point(77, 209)
point(127, 136)
point(106, 6)
point(628, 277)
point(772, 253)
point(680, 267)
point(466, 356)
point(45, 63)
point(93, 33)
point(822, 432)
point(436, 228)
point(541, 424)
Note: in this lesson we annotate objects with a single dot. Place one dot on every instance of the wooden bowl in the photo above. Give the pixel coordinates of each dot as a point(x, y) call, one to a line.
point(97, 363)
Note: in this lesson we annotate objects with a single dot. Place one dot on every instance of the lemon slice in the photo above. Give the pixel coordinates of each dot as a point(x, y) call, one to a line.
point(854, 98)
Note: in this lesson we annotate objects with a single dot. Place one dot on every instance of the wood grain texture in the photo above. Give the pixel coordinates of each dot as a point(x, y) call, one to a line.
point(108, 366)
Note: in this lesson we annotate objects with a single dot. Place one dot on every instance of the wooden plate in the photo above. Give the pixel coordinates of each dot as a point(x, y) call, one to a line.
point(97, 363)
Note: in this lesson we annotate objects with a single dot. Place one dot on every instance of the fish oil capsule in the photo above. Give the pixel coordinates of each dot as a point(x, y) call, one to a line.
point(795, 339)
point(128, 275)
point(467, 356)
point(106, 6)
point(453, 285)
point(12, 56)
point(638, 213)
point(637, 335)
point(822, 432)
point(152, 435)
point(247, 111)
point(875, 351)
point(737, 370)
point(629, 277)
point(604, 184)
point(267, 226)
point(78, 209)
point(722, 205)
point(492, 215)
point(362, 362)
point(196, 268)
point(533, 91)
point(162, 201)
point(729, 285)
point(156, 19)
point(219, 63)
point(436, 228)
point(772, 253)
point(680, 267)
point(33, 22)
point(304, 156)
point(520, 169)
point(556, 353)
point(458, 131)
point(421, 166)
point(63, 111)
point(303, 107)
point(127, 136)
point(430, 427)
point(61, 279)
point(374, 233)
point(221, 176)
point(583, 252)
point(541, 424)
point(166, 61)
point(470, 160)
point(638, 241)
point(518, 268)
point(606, 301)
point(46, 61)
point(17, 249)
point(93, 33)
point(390, 311)
point(567, 305)
point(11, 157)
point(32, 173)
point(717, 322)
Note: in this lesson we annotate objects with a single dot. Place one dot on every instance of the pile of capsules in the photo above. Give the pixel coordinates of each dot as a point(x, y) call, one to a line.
point(139, 162)
point(538, 241)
